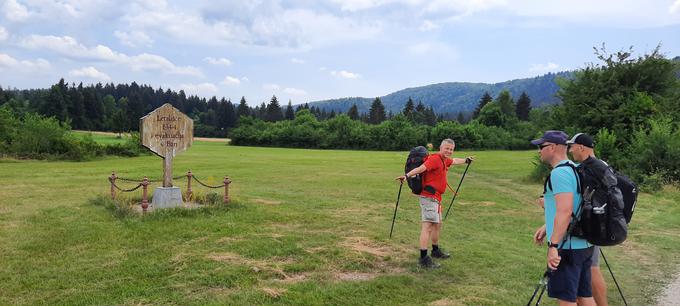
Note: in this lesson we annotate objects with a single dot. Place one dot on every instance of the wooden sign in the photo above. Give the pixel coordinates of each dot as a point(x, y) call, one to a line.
point(166, 131)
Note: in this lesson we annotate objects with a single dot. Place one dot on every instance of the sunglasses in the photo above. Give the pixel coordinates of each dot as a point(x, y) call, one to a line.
point(541, 147)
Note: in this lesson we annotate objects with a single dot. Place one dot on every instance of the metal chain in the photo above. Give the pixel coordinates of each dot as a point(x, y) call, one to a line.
point(214, 187)
point(137, 180)
point(150, 180)
point(125, 190)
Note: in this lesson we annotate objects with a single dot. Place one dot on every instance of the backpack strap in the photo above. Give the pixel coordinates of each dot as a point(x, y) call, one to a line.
point(574, 216)
point(548, 183)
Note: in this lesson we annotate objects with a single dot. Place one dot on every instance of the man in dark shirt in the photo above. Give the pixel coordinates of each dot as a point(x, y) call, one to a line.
point(581, 149)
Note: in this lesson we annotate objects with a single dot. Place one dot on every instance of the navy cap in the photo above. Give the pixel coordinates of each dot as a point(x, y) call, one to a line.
point(582, 139)
point(557, 137)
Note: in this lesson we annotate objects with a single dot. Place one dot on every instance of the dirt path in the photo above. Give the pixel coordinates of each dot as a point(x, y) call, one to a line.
point(671, 294)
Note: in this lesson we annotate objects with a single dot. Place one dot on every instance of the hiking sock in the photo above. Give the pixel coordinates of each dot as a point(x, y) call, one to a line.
point(423, 253)
point(435, 247)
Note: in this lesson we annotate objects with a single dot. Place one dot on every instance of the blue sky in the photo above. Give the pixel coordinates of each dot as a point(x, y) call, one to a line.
point(304, 50)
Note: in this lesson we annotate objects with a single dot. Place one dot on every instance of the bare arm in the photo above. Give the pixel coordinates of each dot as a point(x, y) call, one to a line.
point(565, 206)
point(420, 169)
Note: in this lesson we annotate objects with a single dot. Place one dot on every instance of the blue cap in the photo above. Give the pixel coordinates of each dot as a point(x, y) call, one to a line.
point(557, 137)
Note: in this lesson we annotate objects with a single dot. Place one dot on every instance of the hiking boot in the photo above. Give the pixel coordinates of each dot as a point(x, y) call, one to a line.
point(438, 253)
point(428, 263)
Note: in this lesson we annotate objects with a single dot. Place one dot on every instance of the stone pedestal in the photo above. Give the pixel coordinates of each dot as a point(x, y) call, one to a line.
point(166, 197)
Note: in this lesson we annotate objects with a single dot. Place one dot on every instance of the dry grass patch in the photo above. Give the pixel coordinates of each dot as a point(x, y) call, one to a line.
point(446, 302)
point(274, 292)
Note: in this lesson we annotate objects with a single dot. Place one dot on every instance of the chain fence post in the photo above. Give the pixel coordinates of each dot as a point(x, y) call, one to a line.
point(145, 203)
point(226, 190)
point(112, 179)
point(189, 192)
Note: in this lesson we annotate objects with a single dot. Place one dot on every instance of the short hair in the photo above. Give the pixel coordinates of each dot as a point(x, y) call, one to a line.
point(449, 141)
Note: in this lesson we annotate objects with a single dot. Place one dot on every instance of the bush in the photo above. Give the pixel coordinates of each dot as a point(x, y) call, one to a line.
point(132, 147)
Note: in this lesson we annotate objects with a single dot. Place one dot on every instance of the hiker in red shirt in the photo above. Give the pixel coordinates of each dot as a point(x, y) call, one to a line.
point(435, 167)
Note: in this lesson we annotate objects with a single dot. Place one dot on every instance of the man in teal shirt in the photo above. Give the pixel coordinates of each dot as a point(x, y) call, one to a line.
point(568, 257)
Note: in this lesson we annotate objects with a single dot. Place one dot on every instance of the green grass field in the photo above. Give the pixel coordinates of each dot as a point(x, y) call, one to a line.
point(306, 227)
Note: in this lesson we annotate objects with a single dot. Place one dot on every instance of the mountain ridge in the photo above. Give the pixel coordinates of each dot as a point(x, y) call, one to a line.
point(454, 97)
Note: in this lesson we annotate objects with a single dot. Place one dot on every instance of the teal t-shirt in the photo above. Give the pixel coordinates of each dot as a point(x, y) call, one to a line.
point(563, 179)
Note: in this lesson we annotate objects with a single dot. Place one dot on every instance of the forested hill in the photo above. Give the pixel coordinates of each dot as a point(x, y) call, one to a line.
point(453, 97)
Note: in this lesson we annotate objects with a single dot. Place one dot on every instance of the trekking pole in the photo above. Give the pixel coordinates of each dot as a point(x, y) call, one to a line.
point(614, 278)
point(401, 183)
point(456, 193)
point(541, 285)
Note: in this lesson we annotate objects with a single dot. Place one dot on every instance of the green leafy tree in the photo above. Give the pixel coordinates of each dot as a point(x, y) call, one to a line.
point(506, 104)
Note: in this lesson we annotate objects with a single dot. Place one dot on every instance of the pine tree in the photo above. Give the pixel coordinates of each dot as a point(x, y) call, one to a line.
point(273, 112)
point(353, 112)
point(409, 108)
point(243, 109)
point(486, 98)
point(460, 118)
point(430, 117)
point(523, 107)
point(290, 114)
point(56, 102)
point(376, 114)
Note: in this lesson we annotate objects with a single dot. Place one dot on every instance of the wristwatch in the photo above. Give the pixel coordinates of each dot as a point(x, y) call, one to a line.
point(553, 245)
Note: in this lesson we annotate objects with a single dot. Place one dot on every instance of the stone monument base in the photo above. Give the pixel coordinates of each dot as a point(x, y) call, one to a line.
point(166, 197)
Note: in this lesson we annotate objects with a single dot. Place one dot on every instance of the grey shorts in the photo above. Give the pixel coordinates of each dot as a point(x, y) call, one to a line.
point(596, 257)
point(429, 210)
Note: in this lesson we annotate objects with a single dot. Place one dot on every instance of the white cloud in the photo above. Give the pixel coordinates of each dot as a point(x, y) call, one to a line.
point(3, 33)
point(345, 74)
point(11, 64)
point(67, 46)
point(265, 24)
point(245, 79)
point(203, 89)
point(428, 26)
point(218, 61)
point(271, 87)
point(544, 68)
point(90, 73)
point(14, 11)
point(134, 38)
point(675, 7)
point(297, 61)
point(231, 81)
point(294, 91)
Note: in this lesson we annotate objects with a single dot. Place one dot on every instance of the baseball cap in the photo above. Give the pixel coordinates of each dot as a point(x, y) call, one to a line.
point(582, 139)
point(553, 136)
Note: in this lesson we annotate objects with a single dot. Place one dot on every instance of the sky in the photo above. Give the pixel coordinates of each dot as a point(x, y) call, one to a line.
point(308, 50)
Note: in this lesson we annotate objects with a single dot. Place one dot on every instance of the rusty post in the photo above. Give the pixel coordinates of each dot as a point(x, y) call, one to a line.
point(145, 203)
point(113, 185)
point(226, 190)
point(189, 177)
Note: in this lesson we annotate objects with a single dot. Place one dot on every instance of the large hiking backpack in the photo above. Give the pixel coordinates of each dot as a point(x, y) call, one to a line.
point(416, 157)
point(601, 218)
point(630, 193)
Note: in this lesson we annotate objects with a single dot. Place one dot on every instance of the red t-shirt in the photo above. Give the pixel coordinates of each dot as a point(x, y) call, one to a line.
point(435, 176)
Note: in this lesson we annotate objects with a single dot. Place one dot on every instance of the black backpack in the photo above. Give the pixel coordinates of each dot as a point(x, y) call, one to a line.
point(416, 157)
point(601, 218)
point(630, 193)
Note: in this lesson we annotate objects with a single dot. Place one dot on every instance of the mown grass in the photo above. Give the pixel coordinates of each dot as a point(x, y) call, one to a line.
point(305, 227)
